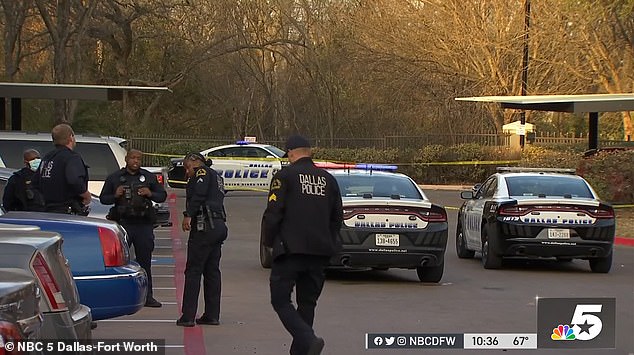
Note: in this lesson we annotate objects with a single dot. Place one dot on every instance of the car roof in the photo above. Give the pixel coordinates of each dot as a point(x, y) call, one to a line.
point(46, 136)
point(257, 145)
point(535, 174)
point(364, 172)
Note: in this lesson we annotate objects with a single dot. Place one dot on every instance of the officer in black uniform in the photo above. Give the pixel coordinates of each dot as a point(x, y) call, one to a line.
point(301, 224)
point(19, 194)
point(204, 218)
point(132, 190)
point(62, 177)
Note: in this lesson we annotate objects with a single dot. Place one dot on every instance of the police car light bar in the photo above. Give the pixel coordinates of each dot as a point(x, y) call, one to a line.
point(243, 142)
point(361, 166)
point(514, 169)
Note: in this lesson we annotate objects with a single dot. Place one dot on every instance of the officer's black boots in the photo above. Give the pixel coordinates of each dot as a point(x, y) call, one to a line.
point(151, 302)
point(185, 323)
point(207, 320)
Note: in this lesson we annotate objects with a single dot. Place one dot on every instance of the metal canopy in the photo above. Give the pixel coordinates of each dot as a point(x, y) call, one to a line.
point(591, 103)
point(15, 92)
point(562, 103)
point(71, 91)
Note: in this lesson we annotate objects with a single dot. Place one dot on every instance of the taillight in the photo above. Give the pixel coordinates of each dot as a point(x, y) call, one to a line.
point(111, 247)
point(602, 212)
point(513, 210)
point(54, 296)
point(435, 214)
point(159, 178)
point(9, 333)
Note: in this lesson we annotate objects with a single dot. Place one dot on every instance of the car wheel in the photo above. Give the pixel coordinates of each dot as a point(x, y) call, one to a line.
point(430, 273)
point(266, 253)
point(489, 259)
point(601, 265)
point(461, 244)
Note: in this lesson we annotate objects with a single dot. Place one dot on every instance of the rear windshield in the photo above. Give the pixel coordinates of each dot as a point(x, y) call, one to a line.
point(547, 186)
point(98, 156)
point(377, 186)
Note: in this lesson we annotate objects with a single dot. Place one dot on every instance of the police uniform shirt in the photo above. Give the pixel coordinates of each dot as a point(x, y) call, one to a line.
point(14, 197)
point(304, 211)
point(62, 176)
point(123, 177)
point(205, 188)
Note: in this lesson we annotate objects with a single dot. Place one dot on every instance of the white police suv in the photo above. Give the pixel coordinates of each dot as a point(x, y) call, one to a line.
point(528, 212)
point(244, 166)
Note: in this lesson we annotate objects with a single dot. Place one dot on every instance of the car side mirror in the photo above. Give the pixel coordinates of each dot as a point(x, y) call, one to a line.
point(466, 195)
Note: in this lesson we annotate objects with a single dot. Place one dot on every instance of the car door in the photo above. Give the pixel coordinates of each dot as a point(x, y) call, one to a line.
point(243, 167)
point(473, 216)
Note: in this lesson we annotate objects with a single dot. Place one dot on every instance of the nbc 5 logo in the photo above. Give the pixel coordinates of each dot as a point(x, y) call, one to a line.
point(586, 325)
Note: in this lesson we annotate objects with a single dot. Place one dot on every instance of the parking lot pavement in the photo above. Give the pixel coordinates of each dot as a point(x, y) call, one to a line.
point(153, 323)
point(469, 299)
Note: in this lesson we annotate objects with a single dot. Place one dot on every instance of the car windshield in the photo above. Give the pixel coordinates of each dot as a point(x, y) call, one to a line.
point(277, 151)
point(545, 185)
point(377, 186)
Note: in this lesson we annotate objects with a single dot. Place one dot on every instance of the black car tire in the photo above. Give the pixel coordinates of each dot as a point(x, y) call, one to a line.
point(601, 265)
point(461, 244)
point(489, 259)
point(430, 273)
point(266, 253)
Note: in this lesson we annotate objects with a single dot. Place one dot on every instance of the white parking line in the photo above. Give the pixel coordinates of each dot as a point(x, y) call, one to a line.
point(169, 303)
point(163, 288)
point(163, 238)
point(162, 256)
point(162, 247)
point(153, 276)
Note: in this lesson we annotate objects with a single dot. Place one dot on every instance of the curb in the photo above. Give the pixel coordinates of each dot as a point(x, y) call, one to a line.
point(629, 242)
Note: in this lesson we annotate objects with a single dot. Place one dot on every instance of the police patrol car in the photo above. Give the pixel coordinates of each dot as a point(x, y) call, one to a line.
point(243, 166)
point(388, 222)
point(524, 212)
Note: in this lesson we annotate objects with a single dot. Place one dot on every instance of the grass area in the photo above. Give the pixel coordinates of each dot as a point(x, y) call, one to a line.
point(625, 222)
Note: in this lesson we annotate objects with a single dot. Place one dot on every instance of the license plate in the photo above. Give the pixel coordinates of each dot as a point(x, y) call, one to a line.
point(558, 233)
point(387, 240)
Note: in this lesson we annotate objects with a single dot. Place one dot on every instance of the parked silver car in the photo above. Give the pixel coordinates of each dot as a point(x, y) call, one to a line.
point(20, 317)
point(40, 253)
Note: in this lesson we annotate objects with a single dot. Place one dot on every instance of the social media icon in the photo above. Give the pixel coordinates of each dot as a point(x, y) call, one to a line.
point(389, 341)
point(401, 341)
point(378, 341)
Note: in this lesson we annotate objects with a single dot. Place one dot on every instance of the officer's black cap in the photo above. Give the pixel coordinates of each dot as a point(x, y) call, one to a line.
point(294, 142)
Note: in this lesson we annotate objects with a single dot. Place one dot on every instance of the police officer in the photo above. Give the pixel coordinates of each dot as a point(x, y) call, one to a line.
point(19, 194)
point(62, 177)
point(204, 219)
point(132, 190)
point(301, 224)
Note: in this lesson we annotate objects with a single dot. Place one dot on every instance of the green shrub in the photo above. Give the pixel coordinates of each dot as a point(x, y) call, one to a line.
point(611, 174)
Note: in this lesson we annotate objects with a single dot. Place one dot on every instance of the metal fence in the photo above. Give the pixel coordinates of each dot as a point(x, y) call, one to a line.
point(156, 142)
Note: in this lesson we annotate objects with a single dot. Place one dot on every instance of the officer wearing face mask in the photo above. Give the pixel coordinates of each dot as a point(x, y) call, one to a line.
point(19, 194)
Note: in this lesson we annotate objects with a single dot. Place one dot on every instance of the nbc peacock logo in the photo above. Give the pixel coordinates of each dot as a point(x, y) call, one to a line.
point(563, 332)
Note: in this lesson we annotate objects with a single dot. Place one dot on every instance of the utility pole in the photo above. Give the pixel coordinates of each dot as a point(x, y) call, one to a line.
point(527, 24)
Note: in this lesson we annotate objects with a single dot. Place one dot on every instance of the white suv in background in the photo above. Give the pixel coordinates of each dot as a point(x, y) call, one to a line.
point(103, 155)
